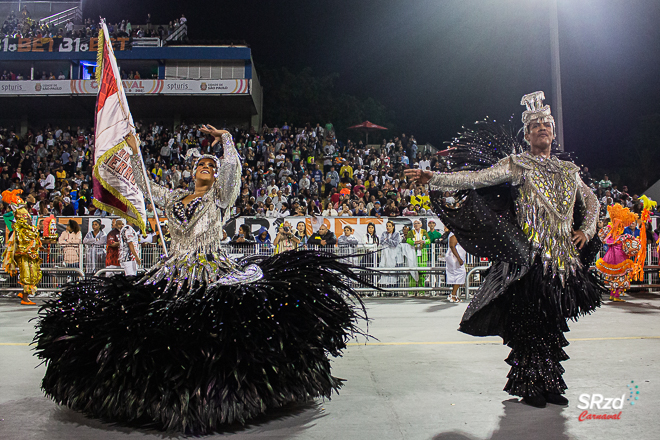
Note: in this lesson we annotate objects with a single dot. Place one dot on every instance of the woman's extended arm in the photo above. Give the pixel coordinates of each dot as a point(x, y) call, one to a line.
point(228, 183)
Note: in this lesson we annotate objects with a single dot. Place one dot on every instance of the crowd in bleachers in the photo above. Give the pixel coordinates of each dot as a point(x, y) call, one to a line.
point(22, 25)
point(609, 193)
point(286, 170)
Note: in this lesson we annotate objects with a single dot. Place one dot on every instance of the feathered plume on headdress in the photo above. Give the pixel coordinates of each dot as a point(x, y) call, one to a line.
point(12, 198)
point(50, 231)
point(640, 258)
point(649, 204)
point(620, 217)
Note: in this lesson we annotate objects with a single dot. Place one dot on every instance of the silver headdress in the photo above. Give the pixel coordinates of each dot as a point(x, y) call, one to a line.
point(536, 111)
point(194, 152)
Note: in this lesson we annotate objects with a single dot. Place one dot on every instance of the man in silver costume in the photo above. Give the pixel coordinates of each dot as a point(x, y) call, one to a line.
point(528, 301)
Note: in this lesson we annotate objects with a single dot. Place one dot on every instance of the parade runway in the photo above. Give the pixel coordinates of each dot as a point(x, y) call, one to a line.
point(421, 379)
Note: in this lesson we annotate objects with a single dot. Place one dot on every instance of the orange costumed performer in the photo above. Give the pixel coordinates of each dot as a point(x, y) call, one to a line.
point(616, 265)
point(22, 252)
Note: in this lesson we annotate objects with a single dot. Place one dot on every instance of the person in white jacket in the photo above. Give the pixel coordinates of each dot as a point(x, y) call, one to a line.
point(329, 211)
point(95, 241)
point(370, 242)
point(390, 240)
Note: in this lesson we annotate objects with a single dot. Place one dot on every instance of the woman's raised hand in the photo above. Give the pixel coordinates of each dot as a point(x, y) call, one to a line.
point(133, 142)
point(211, 130)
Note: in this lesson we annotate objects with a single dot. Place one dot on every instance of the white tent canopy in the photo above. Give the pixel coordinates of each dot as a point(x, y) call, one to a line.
point(653, 192)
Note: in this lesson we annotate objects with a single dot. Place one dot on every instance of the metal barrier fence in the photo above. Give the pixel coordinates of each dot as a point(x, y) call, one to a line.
point(52, 280)
point(410, 275)
point(404, 275)
point(396, 272)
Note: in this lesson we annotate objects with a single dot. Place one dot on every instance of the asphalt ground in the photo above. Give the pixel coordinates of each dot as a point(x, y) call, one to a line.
point(419, 379)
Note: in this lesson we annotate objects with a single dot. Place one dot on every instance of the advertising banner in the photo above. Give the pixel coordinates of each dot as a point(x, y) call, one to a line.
point(131, 87)
point(59, 44)
point(312, 224)
point(334, 224)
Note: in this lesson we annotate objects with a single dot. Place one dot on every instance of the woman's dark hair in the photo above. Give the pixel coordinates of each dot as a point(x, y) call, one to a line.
point(311, 206)
point(304, 224)
point(75, 227)
point(374, 236)
point(390, 222)
point(245, 228)
point(101, 225)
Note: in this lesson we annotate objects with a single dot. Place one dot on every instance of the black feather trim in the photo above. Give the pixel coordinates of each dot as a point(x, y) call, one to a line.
point(127, 353)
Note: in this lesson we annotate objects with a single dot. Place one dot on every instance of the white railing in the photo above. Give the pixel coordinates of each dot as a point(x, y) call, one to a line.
point(73, 14)
point(147, 42)
point(178, 34)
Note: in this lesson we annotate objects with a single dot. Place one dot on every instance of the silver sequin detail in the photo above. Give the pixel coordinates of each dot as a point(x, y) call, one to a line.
point(548, 189)
point(196, 253)
point(249, 274)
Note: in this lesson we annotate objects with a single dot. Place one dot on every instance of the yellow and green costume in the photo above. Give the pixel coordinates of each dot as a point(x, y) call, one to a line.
point(22, 252)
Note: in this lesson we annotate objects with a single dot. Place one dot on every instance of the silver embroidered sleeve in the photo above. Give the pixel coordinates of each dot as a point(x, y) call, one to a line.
point(499, 173)
point(161, 194)
point(228, 182)
point(592, 207)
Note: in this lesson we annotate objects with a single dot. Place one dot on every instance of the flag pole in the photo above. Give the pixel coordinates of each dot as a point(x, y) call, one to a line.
point(151, 198)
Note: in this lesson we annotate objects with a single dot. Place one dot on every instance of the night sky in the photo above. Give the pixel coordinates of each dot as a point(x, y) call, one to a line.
point(442, 64)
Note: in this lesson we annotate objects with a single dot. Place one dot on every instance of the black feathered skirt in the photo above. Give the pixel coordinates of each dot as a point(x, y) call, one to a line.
point(126, 352)
point(529, 309)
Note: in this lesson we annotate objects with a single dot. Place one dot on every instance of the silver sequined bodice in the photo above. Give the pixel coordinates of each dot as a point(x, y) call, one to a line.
point(196, 254)
point(548, 190)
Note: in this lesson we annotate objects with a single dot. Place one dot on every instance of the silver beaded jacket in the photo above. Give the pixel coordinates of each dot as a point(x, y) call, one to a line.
point(544, 209)
point(196, 255)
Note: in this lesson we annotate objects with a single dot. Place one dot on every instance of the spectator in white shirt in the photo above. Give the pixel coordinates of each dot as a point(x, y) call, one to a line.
point(279, 159)
point(329, 211)
point(47, 181)
point(284, 211)
point(304, 183)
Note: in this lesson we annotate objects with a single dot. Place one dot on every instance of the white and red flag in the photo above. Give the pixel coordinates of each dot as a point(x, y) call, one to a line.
point(115, 190)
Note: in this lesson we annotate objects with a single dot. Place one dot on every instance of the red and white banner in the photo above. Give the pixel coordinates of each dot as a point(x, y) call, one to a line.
point(115, 190)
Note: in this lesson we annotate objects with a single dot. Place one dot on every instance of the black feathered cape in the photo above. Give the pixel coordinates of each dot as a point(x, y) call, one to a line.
point(485, 225)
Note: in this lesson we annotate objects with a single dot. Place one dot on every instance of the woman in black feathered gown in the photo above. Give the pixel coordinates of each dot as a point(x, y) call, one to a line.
point(202, 340)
